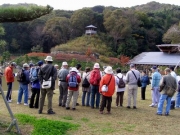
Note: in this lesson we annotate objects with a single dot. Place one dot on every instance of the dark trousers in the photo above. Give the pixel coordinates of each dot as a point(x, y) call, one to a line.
point(35, 93)
point(143, 90)
point(119, 98)
point(9, 91)
point(106, 101)
point(95, 92)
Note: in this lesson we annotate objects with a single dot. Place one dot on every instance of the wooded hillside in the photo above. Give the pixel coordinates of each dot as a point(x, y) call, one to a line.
point(125, 31)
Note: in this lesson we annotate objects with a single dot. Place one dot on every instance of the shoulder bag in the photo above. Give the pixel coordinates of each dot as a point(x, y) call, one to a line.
point(47, 84)
point(138, 80)
point(105, 87)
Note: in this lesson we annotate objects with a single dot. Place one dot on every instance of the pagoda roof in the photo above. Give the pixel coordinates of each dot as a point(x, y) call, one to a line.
point(91, 26)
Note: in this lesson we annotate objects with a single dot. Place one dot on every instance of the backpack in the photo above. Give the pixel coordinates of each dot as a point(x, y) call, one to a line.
point(33, 74)
point(72, 82)
point(85, 82)
point(121, 83)
point(95, 77)
point(21, 77)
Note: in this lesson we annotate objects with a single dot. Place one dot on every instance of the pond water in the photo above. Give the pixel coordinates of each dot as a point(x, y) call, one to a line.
point(16, 84)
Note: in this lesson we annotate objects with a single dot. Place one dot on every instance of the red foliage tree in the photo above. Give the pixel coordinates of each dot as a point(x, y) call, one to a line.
point(124, 60)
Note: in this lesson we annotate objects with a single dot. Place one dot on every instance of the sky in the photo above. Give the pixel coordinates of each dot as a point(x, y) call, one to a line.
point(78, 4)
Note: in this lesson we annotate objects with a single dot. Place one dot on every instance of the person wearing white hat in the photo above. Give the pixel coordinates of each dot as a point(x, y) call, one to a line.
point(94, 80)
point(73, 80)
point(46, 72)
point(63, 85)
point(49, 59)
point(109, 80)
point(23, 85)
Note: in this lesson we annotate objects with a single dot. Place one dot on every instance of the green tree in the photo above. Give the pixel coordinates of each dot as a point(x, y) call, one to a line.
point(26, 59)
point(37, 48)
point(73, 62)
point(22, 13)
point(6, 56)
point(57, 31)
point(2, 42)
point(117, 25)
point(172, 35)
point(14, 45)
point(128, 48)
point(80, 19)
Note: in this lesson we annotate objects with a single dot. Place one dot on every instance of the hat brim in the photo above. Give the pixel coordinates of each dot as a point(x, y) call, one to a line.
point(47, 60)
point(73, 71)
point(108, 72)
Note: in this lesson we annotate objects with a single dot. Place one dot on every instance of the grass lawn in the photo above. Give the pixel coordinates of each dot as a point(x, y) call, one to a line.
point(141, 121)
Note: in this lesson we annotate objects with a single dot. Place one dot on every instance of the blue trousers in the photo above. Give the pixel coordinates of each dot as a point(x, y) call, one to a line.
point(95, 94)
point(178, 100)
point(164, 97)
point(23, 89)
point(85, 97)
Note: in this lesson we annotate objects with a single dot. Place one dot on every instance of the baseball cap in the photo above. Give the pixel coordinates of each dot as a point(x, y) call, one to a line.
point(40, 63)
point(154, 67)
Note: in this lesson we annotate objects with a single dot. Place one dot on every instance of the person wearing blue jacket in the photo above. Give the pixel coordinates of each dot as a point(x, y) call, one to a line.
point(144, 82)
point(23, 86)
point(156, 77)
point(35, 88)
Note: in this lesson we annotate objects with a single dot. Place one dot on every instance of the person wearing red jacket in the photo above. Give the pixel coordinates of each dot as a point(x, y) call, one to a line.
point(109, 80)
point(72, 78)
point(9, 76)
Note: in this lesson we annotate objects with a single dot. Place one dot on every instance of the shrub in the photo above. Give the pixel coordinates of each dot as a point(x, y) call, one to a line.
point(104, 59)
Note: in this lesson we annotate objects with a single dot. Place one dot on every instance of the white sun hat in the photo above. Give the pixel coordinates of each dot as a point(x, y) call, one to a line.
point(64, 63)
point(108, 70)
point(96, 65)
point(25, 65)
point(74, 69)
point(48, 58)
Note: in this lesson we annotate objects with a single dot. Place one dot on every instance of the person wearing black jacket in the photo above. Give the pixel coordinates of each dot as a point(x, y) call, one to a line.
point(46, 71)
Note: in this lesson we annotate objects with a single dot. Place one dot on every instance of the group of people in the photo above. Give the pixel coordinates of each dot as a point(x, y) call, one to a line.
point(96, 85)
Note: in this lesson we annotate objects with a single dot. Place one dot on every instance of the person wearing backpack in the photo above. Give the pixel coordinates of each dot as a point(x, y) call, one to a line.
point(35, 85)
point(23, 84)
point(120, 82)
point(73, 80)
point(86, 87)
point(144, 82)
point(46, 72)
point(63, 85)
point(9, 76)
point(94, 80)
point(109, 80)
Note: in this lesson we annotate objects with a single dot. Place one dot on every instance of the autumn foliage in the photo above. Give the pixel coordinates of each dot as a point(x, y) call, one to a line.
point(37, 54)
point(124, 60)
point(67, 57)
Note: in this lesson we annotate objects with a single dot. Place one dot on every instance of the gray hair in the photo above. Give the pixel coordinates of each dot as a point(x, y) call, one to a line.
point(167, 70)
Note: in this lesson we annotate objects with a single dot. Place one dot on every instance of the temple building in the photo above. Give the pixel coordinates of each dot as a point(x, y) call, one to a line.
point(90, 30)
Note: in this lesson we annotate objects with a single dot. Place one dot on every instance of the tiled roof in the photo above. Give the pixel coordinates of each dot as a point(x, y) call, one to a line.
point(156, 58)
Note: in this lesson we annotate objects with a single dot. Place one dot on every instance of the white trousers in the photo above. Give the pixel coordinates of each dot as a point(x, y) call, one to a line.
point(155, 95)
